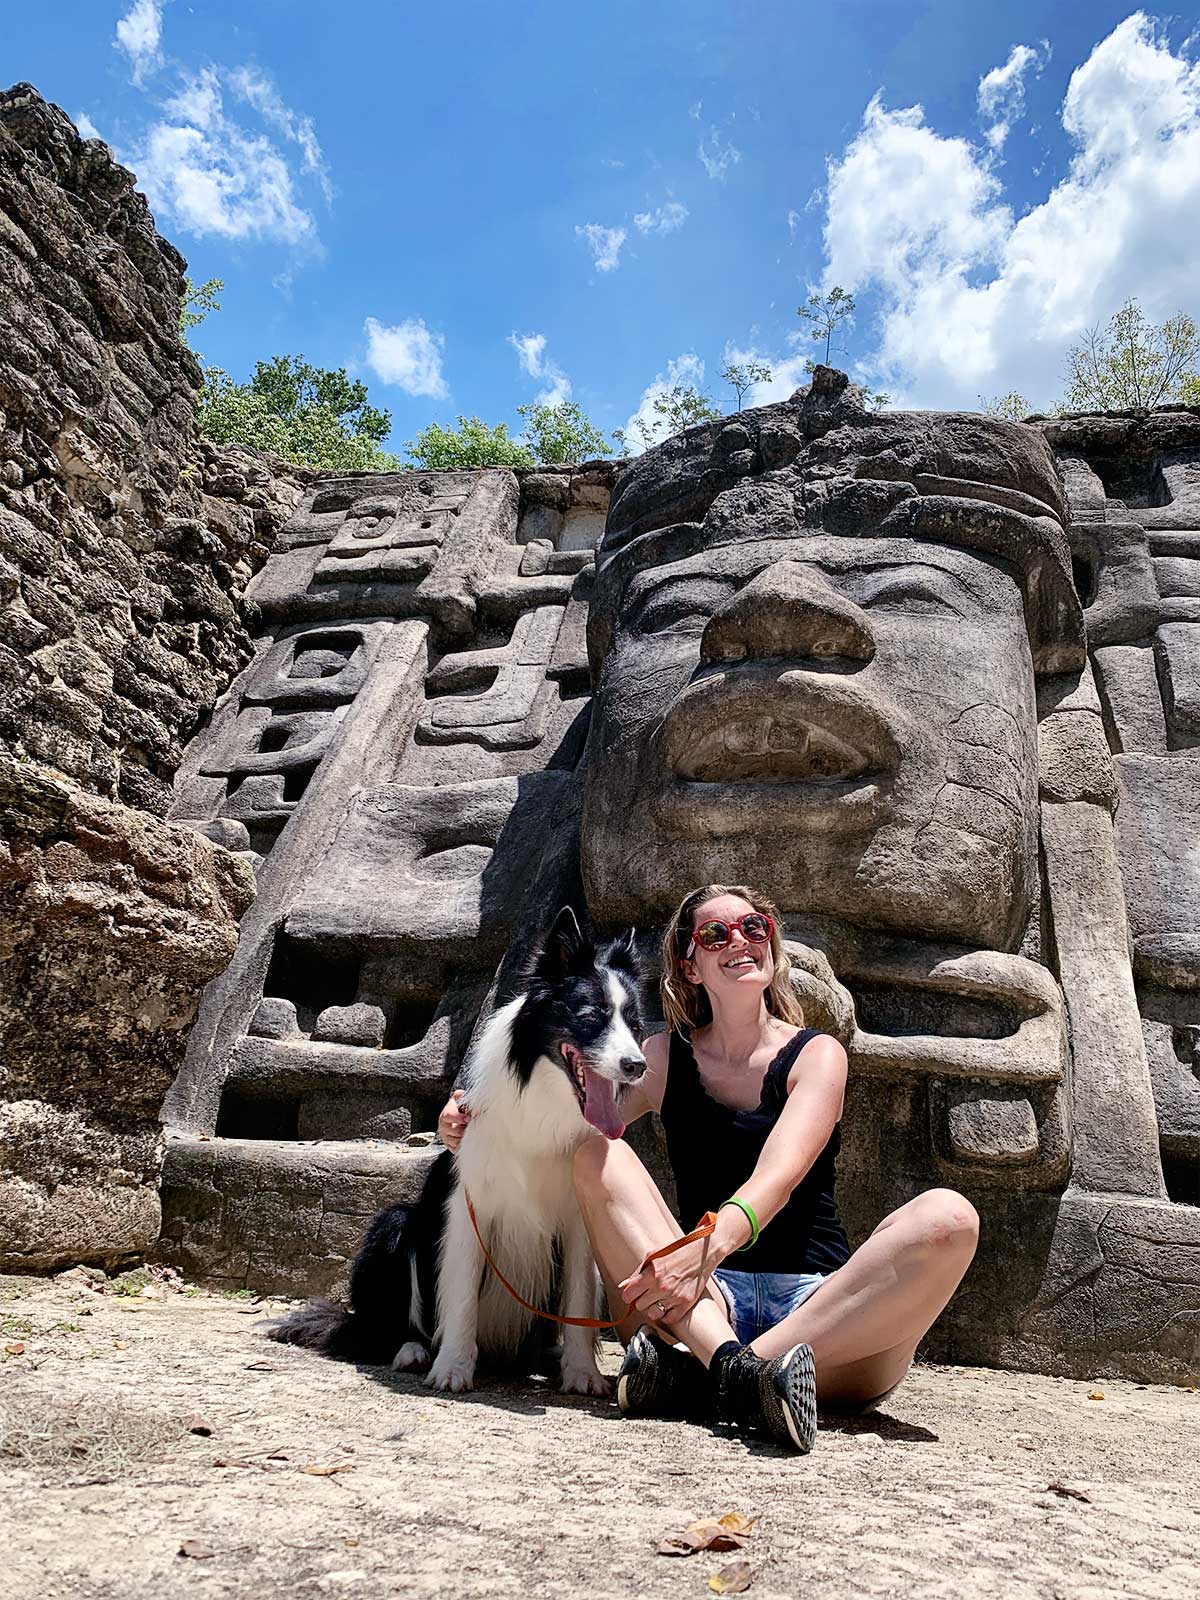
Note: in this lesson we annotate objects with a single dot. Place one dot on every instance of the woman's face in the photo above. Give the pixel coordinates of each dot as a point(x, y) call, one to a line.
point(741, 966)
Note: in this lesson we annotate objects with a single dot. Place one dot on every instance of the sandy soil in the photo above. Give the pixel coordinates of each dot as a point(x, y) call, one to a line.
point(516, 1490)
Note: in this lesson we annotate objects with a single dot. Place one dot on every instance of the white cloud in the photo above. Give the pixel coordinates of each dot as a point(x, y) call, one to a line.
point(684, 370)
point(408, 356)
point(531, 353)
point(666, 219)
point(206, 172)
point(1002, 90)
point(715, 158)
point(256, 89)
point(139, 34)
point(974, 300)
point(604, 243)
point(87, 128)
point(793, 222)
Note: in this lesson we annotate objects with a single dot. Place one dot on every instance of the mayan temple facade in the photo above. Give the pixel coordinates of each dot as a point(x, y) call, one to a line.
point(295, 761)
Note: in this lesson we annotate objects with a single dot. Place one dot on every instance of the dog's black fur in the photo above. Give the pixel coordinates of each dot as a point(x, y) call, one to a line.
point(567, 1000)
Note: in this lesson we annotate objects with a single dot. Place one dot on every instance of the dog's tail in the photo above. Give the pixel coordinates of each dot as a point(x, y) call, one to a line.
point(331, 1330)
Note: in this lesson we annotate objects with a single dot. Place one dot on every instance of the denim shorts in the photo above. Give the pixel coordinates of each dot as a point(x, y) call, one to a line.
point(759, 1300)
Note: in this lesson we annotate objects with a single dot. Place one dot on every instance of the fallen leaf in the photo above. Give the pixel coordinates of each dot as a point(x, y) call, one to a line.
point(260, 1366)
point(1096, 1394)
point(120, 1344)
point(1024, 1444)
point(16, 1348)
point(710, 1533)
point(731, 1579)
point(328, 1472)
point(1065, 1492)
point(196, 1550)
point(201, 1426)
point(278, 1455)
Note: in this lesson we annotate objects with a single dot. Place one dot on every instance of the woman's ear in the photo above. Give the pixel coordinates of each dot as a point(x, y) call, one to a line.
point(688, 971)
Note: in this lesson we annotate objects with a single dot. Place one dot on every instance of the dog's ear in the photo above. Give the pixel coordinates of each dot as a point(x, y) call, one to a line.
point(565, 949)
point(622, 953)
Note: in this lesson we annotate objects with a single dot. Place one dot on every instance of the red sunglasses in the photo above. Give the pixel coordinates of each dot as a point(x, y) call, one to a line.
point(755, 927)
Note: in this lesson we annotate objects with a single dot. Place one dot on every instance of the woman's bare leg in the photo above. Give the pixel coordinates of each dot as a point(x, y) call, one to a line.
point(865, 1322)
point(626, 1218)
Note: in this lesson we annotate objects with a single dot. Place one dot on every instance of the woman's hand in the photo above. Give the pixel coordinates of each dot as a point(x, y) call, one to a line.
point(453, 1119)
point(664, 1289)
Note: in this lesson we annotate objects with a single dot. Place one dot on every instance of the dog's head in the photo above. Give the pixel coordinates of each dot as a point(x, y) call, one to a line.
point(582, 1013)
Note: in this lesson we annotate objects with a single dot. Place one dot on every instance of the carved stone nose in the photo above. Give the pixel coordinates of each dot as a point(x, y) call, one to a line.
point(788, 610)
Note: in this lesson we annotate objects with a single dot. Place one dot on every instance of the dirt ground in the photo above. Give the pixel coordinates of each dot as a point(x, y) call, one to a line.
point(106, 1492)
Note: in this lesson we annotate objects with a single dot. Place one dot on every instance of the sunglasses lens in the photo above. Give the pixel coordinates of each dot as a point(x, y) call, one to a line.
point(757, 928)
point(712, 935)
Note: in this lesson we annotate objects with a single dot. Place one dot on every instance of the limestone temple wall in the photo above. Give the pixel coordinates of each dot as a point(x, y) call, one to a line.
point(125, 545)
point(931, 679)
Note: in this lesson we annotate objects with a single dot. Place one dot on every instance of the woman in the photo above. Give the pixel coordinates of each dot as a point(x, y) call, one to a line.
point(750, 1101)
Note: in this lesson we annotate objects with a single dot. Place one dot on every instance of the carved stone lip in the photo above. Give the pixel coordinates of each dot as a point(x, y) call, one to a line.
point(807, 747)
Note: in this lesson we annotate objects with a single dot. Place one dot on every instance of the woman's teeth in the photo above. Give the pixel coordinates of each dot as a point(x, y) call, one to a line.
point(741, 961)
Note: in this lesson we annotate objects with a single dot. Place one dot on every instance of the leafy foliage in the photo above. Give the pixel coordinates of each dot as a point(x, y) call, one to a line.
point(562, 434)
point(471, 444)
point(314, 416)
point(198, 300)
point(825, 315)
point(1133, 364)
point(1013, 407)
point(742, 376)
point(681, 406)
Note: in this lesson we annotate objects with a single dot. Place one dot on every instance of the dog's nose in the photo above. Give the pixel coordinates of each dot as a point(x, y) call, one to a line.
point(633, 1067)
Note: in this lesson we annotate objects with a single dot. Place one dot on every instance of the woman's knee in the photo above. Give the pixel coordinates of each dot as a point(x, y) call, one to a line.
point(944, 1222)
point(599, 1162)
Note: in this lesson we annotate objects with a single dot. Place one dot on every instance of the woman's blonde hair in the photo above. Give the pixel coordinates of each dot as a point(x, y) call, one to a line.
point(685, 1005)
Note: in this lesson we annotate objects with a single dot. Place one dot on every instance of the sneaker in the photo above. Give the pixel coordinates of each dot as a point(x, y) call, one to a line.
point(775, 1398)
point(661, 1380)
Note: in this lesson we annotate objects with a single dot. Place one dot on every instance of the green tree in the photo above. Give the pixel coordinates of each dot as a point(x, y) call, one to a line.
point(471, 444)
point(1134, 364)
point(825, 315)
point(198, 300)
point(562, 434)
point(314, 416)
point(1013, 407)
point(681, 406)
point(741, 376)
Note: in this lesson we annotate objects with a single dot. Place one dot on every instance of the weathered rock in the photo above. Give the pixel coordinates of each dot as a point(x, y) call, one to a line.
point(111, 923)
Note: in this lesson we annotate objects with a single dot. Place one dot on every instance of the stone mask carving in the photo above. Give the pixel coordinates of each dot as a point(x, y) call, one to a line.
point(827, 684)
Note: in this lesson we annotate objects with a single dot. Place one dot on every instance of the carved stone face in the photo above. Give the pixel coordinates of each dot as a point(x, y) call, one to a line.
point(848, 722)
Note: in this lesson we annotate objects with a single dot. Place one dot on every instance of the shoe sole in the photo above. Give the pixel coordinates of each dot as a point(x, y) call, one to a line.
point(797, 1389)
point(625, 1401)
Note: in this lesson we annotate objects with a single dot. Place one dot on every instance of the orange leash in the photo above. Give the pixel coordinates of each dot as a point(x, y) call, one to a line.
point(702, 1230)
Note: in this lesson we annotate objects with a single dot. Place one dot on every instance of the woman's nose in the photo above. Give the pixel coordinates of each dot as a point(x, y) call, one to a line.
point(788, 610)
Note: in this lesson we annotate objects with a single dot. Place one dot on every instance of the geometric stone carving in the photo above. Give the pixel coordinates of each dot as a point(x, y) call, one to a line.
point(993, 1130)
point(1177, 652)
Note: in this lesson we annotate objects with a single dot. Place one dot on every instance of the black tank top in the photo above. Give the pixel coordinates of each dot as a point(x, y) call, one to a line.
point(714, 1149)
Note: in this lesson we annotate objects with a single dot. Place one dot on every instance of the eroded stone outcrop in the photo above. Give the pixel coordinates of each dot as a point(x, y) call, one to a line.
point(125, 545)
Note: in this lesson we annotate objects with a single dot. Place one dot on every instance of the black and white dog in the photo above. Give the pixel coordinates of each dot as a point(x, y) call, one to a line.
point(547, 1071)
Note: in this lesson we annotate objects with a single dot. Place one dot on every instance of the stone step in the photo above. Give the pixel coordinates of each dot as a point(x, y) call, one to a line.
point(276, 1216)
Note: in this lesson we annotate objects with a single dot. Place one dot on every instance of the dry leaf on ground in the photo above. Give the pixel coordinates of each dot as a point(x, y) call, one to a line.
point(196, 1549)
point(16, 1348)
point(1096, 1394)
point(709, 1533)
point(1065, 1492)
point(731, 1579)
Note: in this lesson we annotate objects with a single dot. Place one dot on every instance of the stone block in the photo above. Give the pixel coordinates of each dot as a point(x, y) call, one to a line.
point(357, 1024)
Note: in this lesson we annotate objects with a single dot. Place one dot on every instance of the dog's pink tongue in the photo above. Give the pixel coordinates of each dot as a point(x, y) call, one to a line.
point(600, 1105)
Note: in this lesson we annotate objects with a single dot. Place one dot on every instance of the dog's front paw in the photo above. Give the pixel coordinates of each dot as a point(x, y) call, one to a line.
point(411, 1357)
point(585, 1380)
point(455, 1373)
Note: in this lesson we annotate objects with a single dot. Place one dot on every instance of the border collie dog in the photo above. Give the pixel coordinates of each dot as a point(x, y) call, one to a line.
point(547, 1071)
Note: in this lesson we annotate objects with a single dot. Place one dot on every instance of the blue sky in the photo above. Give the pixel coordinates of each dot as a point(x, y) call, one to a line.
point(474, 205)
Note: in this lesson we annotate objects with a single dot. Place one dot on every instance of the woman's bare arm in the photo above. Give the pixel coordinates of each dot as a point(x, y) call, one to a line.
point(816, 1090)
point(648, 1094)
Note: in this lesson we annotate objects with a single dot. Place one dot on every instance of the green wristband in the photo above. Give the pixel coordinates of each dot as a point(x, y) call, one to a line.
point(748, 1213)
